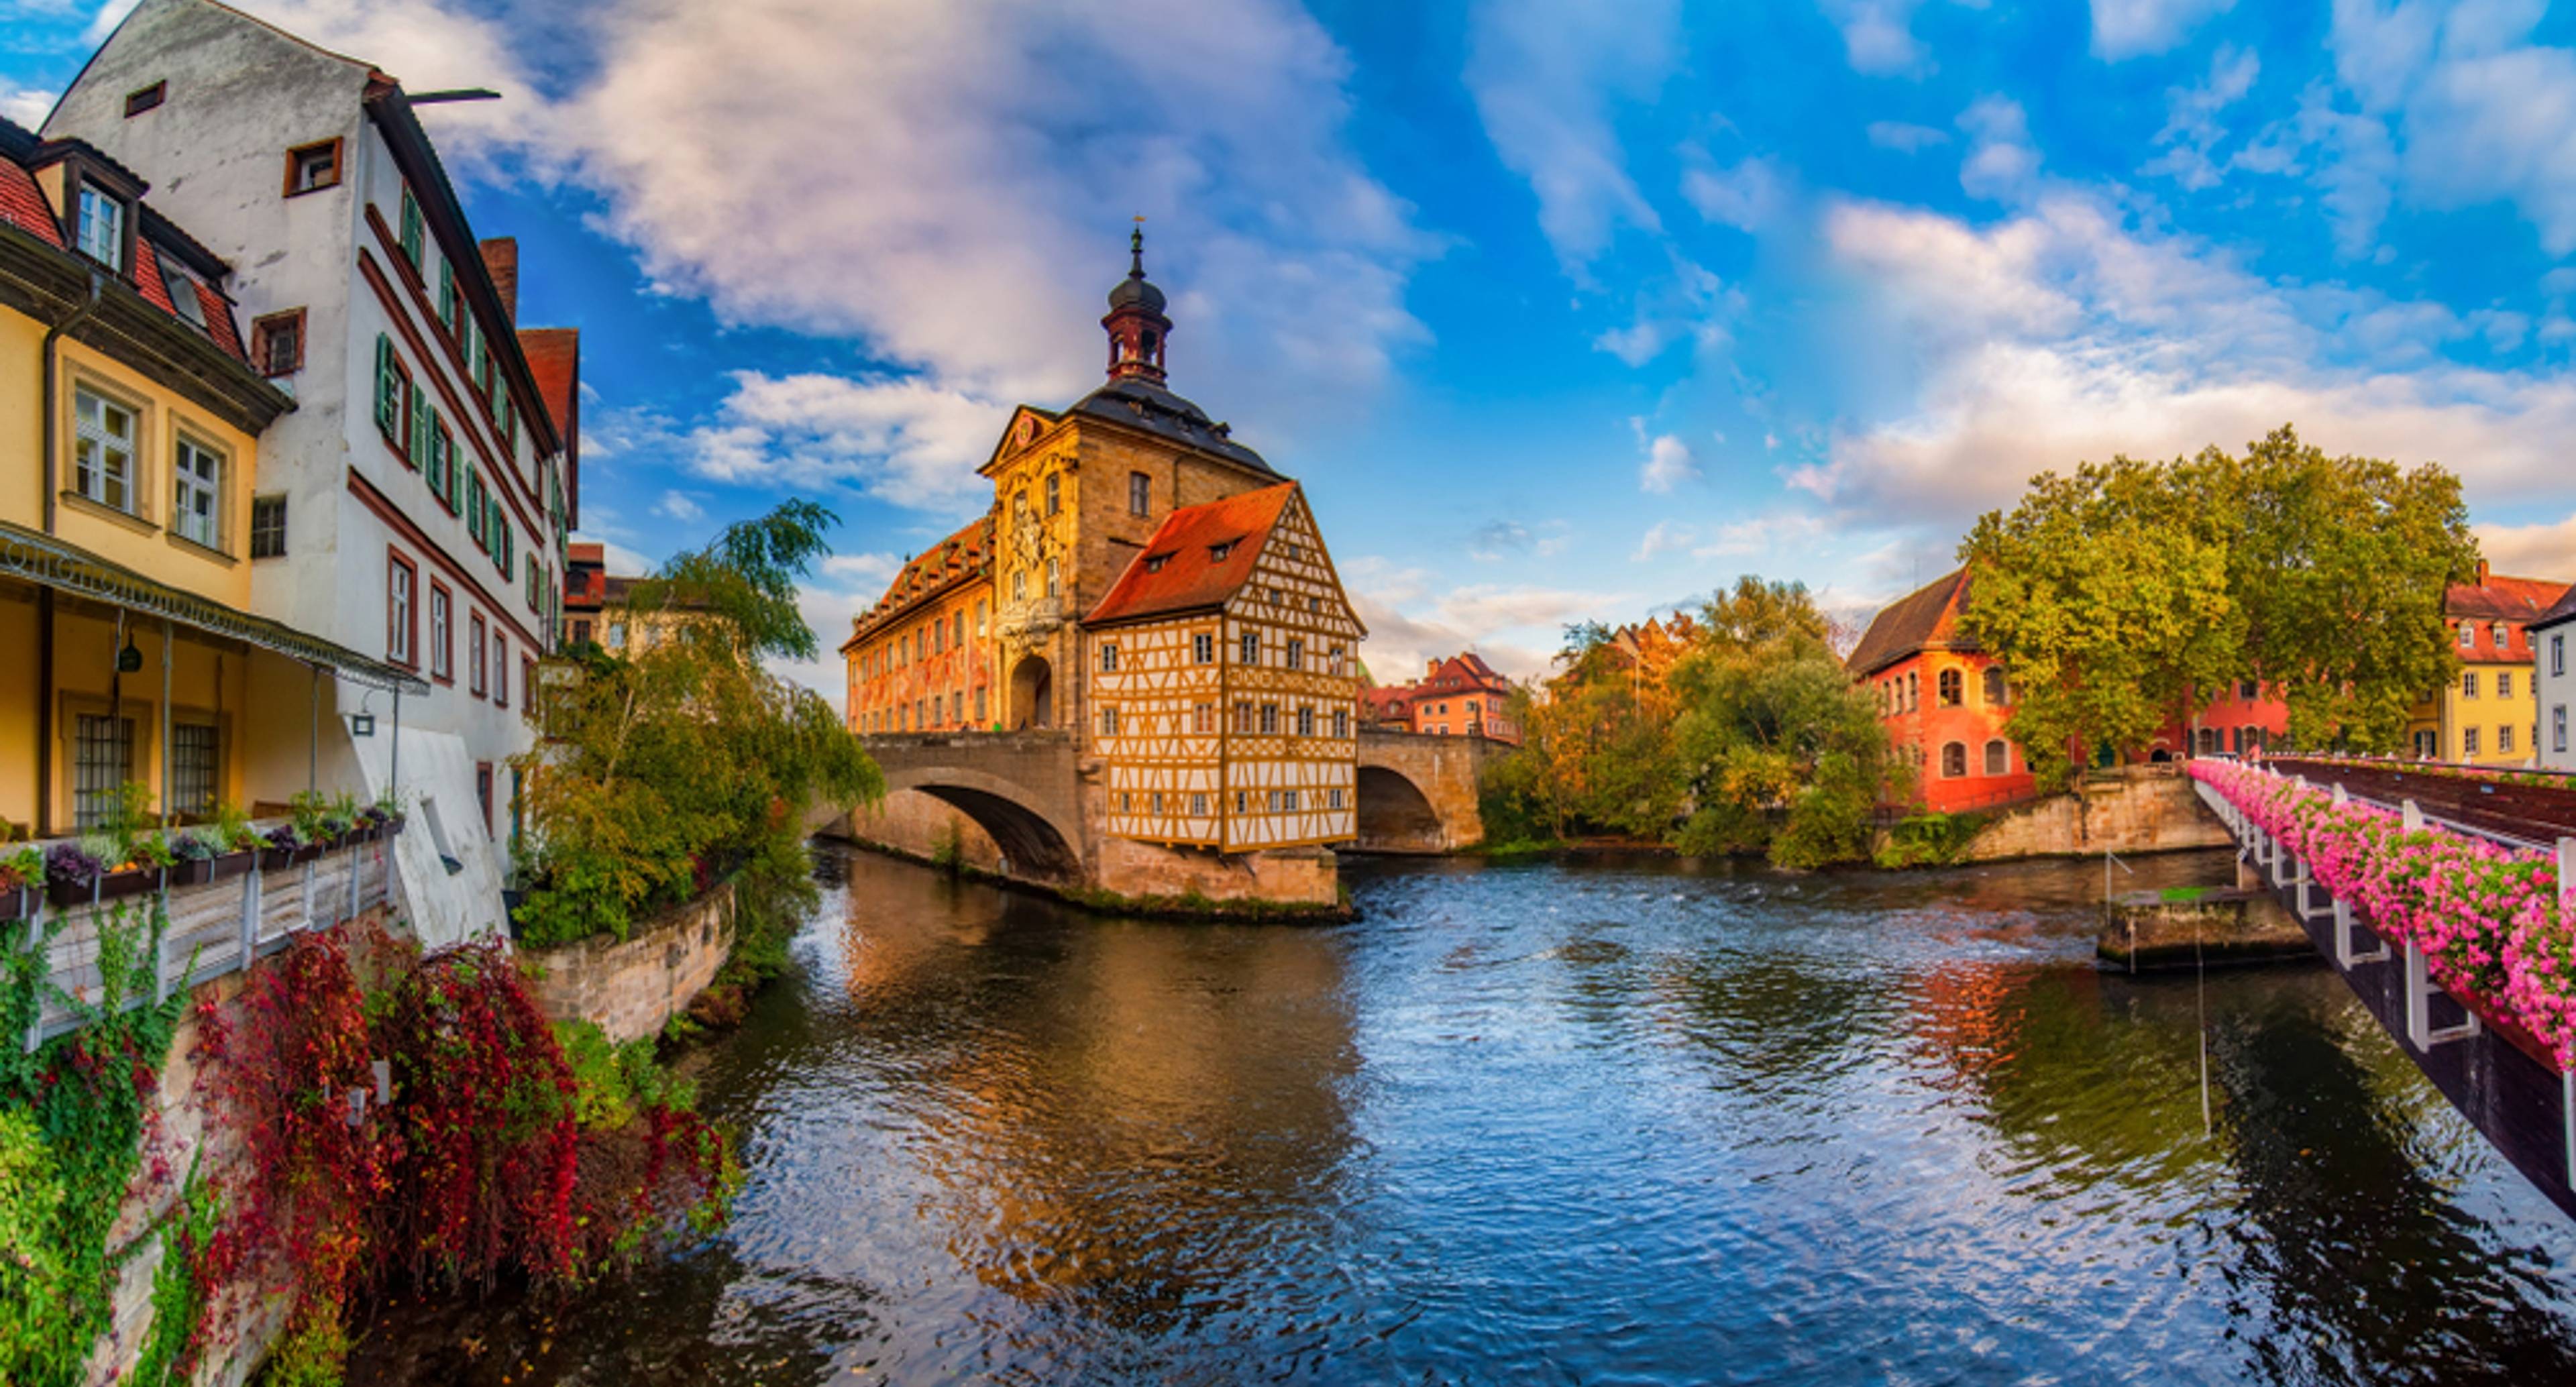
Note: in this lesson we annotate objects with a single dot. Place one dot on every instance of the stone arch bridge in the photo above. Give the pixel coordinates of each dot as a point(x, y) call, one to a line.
point(1040, 800)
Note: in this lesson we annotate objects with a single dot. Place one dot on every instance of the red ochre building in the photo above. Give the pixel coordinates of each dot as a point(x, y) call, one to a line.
point(1461, 696)
point(920, 660)
point(1945, 702)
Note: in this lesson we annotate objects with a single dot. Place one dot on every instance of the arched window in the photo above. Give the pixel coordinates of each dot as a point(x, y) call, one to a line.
point(1998, 758)
point(1953, 688)
point(1995, 693)
point(1954, 760)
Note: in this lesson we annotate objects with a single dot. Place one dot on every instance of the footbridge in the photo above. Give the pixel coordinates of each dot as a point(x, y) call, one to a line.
point(1038, 797)
point(2375, 859)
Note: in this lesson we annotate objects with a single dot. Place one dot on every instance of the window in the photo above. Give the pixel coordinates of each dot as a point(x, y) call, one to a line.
point(102, 449)
point(1203, 648)
point(197, 489)
point(1999, 756)
point(2557, 655)
point(979, 705)
point(1913, 691)
point(2469, 684)
point(1305, 722)
point(1052, 590)
point(393, 385)
point(1993, 680)
point(1109, 658)
point(1243, 721)
point(957, 705)
point(2468, 636)
point(407, 232)
point(1341, 722)
point(99, 232)
point(1217, 552)
point(478, 512)
point(400, 619)
point(441, 469)
point(2504, 739)
point(1109, 721)
point(2558, 727)
point(2501, 634)
point(1202, 718)
point(2504, 683)
point(102, 761)
point(1239, 801)
point(1951, 685)
point(192, 769)
point(1296, 653)
point(1251, 648)
point(483, 792)
point(277, 342)
point(1054, 496)
point(1954, 760)
point(442, 653)
point(500, 669)
point(1020, 586)
point(474, 654)
point(137, 102)
point(1198, 806)
point(1288, 800)
point(2469, 742)
point(1140, 493)
point(1154, 562)
point(312, 167)
point(182, 289)
point(979, 621)
point(268, 527)
point(1269, 718)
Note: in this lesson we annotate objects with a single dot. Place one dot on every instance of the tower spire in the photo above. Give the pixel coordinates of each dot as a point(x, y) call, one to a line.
point(1136, 325)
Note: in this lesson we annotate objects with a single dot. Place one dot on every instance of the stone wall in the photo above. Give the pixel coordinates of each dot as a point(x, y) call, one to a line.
point(1284, 876)
point(911, 822)
point(2144, 809)
point(631, 987)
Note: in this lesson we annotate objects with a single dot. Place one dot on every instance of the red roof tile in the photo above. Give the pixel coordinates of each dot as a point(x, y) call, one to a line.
point(1189, 577)
point(2500, 598)
point(147, 277)
point(22, 204)
point(219, 321)
point(931, 572)
point(1911, 623)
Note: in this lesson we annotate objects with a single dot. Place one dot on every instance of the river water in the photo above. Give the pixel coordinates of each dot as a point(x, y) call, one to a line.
point(1609, 1122)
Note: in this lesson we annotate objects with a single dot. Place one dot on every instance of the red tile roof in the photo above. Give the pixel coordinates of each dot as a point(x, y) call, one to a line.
point(1178, 571)
point(933, 571)
point(1912, 623)
point(22, 204)
point(2499, 598)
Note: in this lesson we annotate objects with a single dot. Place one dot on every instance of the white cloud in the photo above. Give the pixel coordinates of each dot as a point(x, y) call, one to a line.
point(2060, 335)
point(1543, 77)
point(1747, 195)
point(1690, 304)
point(2001, 162)
point(681, 506)
point(2129, 28)
point(862, 569)
point(1761, 535)
point(1669, 463)
point(2192, 130)
point(105, 21)
point(901, 439)
point(2544, 550)
point(1878, 36)
point(28, 106)
point(1515, 627)
point(1663, 537)
point(1504, 541)
point(1909, 139)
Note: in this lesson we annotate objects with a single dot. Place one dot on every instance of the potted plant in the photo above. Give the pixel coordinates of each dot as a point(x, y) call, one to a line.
point(281, 846)
point(22, 876)
point(389, 812)
point(337, 830)
point(72, 873)
point(304, 811)
point(137, 870)
point(196, 850)
point(237, 843)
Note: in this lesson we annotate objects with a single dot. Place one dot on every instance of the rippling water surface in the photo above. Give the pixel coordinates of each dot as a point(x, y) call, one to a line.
point(1610, 1122)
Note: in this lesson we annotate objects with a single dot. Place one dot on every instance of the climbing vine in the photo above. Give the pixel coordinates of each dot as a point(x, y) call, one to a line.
point(73, 1117)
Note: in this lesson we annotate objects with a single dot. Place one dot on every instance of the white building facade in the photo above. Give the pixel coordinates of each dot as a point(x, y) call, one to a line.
point(2554, 679)
point(415, 505)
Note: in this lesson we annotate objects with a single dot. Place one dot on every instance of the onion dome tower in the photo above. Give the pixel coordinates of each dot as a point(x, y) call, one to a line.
point(1137, 327)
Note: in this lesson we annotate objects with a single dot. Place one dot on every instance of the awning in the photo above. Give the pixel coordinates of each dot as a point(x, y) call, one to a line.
point(42, 559)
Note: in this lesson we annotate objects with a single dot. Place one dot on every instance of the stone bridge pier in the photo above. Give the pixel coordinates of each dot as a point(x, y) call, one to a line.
point(1025, 805)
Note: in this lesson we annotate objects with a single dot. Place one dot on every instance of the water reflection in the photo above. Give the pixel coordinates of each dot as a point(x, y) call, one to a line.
point(1638, 1121)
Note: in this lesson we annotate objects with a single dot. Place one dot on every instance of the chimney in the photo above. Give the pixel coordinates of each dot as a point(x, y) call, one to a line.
point(1432, 667)
point(2482, 573)
point(501, 257)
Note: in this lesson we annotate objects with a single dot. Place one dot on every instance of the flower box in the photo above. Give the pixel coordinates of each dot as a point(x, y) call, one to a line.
point(18, 902)
point(133, 881)
point(277, 859)
point(231, 864)
point(192, 871)
point(2512, 1032)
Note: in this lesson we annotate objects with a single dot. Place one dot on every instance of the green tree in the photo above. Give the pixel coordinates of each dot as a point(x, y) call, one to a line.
point(2337, 569)
point(2105, 594)
point(680, 757)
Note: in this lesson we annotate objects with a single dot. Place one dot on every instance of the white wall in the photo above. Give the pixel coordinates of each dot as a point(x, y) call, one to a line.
point(2554, 674)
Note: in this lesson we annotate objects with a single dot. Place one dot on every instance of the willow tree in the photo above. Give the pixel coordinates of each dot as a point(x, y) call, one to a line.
point(678, 757)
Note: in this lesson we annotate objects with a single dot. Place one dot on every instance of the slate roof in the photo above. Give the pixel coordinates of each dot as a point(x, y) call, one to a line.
point(1144, 405)
point(1189, 577)
point(1912, 623)
point(935, 570)
point(2563, 611)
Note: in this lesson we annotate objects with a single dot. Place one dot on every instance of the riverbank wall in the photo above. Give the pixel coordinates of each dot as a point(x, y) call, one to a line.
point(2136, 810)
point(632, 987)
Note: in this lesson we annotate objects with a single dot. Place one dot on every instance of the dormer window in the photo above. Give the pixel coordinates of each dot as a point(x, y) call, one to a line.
point(183, 290)
point(1217, 552)
point(311, 168)
point(100, 234)
point(1154, 562)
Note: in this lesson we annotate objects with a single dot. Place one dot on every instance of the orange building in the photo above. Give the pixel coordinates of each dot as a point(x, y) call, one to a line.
point(1461, 696)
point(920, 659)
point(1942, 699)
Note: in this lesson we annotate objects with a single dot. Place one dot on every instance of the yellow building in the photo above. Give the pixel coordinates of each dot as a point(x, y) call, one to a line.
point(127, 526)
point(2490, 713)
point(1225, 682)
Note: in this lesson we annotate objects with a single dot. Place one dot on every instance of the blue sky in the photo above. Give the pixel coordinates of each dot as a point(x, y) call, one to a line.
point(1560, 310)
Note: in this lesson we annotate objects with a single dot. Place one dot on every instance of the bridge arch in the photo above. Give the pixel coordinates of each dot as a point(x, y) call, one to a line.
point(1416, 793)
point(1018, 788)
point(1394, 815)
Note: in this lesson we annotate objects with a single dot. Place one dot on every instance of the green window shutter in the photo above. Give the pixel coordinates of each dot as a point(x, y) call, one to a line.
point(388, 406)
point(429, 444)
point(447, 295)
point(474, 520)
point(447, 472)
point(411, 228)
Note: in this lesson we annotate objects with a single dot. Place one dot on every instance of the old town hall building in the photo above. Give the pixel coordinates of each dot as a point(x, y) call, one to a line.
point(1152, 587)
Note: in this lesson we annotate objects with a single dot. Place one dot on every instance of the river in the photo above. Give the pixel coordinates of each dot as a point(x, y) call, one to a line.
point(1621, 1121)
